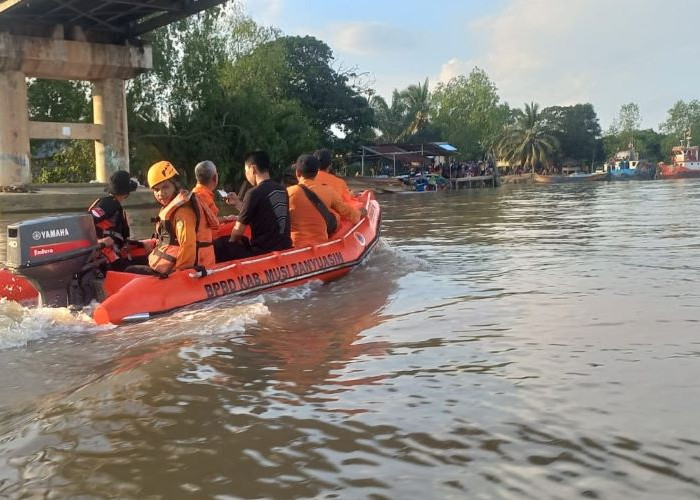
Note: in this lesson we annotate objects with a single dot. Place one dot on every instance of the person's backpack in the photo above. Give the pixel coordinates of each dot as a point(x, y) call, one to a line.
point(331, 221)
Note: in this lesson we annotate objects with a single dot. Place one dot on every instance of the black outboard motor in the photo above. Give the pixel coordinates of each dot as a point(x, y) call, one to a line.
point(54, 254)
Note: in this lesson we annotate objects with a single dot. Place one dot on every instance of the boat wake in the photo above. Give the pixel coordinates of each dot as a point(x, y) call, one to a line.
point(216, 319)
point(384, 253)
point(20, 325)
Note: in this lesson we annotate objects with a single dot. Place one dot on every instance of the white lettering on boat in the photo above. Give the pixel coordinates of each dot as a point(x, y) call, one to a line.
point(273, 275)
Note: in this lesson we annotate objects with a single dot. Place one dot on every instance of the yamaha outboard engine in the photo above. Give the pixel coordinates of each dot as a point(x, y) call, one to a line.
point(52, 252)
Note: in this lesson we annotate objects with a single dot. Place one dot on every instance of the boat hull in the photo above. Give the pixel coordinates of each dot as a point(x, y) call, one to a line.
point(134, 297)
point(566, 179)
point(620, 174)
point(677, 172)
point(17, 288)
point(632, 174)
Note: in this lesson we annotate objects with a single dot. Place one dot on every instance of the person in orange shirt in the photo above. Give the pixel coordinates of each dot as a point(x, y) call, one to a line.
point(328, 179)
point(308, 224)
point(207, 179)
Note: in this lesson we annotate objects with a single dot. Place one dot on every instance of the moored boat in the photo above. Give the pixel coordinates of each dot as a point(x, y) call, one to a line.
point(685, 161)
point(130, 297)
point(627, 165)
point(575, 177)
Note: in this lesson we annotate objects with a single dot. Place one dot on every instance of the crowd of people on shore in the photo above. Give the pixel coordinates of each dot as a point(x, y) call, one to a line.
point(460, 170)
point(270, 217)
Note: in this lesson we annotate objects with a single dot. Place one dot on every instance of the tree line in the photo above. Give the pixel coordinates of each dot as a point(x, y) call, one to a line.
point(222, 85)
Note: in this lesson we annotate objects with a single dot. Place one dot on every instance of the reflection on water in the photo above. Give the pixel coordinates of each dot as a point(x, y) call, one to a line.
point(524, 341)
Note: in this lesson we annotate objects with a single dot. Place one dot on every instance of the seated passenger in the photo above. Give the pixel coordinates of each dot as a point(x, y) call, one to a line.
point(183, 227)
point(265, 208)
point(326, 178)
point(309, 226)
point(207, 180)
point(110, 220)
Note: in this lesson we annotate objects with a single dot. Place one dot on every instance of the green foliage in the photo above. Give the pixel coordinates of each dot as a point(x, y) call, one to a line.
point(650, 145)
point(222, 86)
point(300, 69)
point(682, 117)
point(528, 141)
point(391, 120)
point(59, 101)
point(74, 162)
point(468, 113)
point(416, 100)
point(408, 118)
point(628, 120)
point(222, 130)
point(577, 131)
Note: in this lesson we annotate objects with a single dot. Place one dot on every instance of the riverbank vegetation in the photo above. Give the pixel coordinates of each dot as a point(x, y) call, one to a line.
point(222, 84)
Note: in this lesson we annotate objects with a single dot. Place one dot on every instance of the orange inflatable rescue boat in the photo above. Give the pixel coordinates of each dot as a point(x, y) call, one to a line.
point(55, 254)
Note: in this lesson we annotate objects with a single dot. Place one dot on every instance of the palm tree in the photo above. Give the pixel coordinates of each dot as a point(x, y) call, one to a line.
point(528, 142)
point(416, 99)
point(390, 119)
point(406, 117)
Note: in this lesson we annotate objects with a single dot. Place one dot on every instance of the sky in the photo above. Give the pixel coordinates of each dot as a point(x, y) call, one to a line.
point(551, 52)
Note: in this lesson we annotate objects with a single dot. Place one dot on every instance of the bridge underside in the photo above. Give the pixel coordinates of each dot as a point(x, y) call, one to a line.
point(95, 40)
point(101, 20)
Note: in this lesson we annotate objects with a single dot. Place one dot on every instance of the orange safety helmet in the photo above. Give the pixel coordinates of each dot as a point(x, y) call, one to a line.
point(159, 172)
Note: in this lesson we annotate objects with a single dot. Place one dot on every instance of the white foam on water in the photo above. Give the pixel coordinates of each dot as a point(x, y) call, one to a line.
point(20, 325)
point(397, 256)
point(216, 318)
point(299, 292)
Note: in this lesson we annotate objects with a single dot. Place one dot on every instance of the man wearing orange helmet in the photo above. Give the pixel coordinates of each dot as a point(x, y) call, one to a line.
point(183, 227)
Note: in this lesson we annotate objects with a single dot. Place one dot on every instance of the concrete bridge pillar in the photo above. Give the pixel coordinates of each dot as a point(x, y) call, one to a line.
point(14, 130)
point(107, 65)
point(109, 108)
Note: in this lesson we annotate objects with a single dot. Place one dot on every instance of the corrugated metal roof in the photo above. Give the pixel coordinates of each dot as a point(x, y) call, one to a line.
point(394, 152)
point(123, 18)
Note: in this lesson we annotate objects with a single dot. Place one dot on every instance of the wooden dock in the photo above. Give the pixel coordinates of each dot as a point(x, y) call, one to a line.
point(474, 182)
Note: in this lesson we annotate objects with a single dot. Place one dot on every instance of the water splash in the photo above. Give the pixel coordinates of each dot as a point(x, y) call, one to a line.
point(20, 325)
point(300, 292)
point(400, 257)
point(215, 319)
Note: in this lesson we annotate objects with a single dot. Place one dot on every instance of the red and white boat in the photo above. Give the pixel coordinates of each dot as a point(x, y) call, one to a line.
point(685, 162)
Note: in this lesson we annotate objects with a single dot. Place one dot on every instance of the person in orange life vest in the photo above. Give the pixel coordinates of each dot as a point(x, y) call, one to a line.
point(326, 178)
point(308, 224)
point(207, 179)
point(265, 208)
point(111, 224)
point(183, 236)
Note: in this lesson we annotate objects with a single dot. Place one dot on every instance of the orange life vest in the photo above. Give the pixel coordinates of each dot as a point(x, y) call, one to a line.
point(164, 256)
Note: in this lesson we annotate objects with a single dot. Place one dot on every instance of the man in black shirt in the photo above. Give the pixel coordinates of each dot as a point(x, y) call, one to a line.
point(265, 208)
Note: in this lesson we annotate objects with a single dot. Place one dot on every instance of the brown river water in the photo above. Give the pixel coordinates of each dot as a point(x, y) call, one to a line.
point(523, 342)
